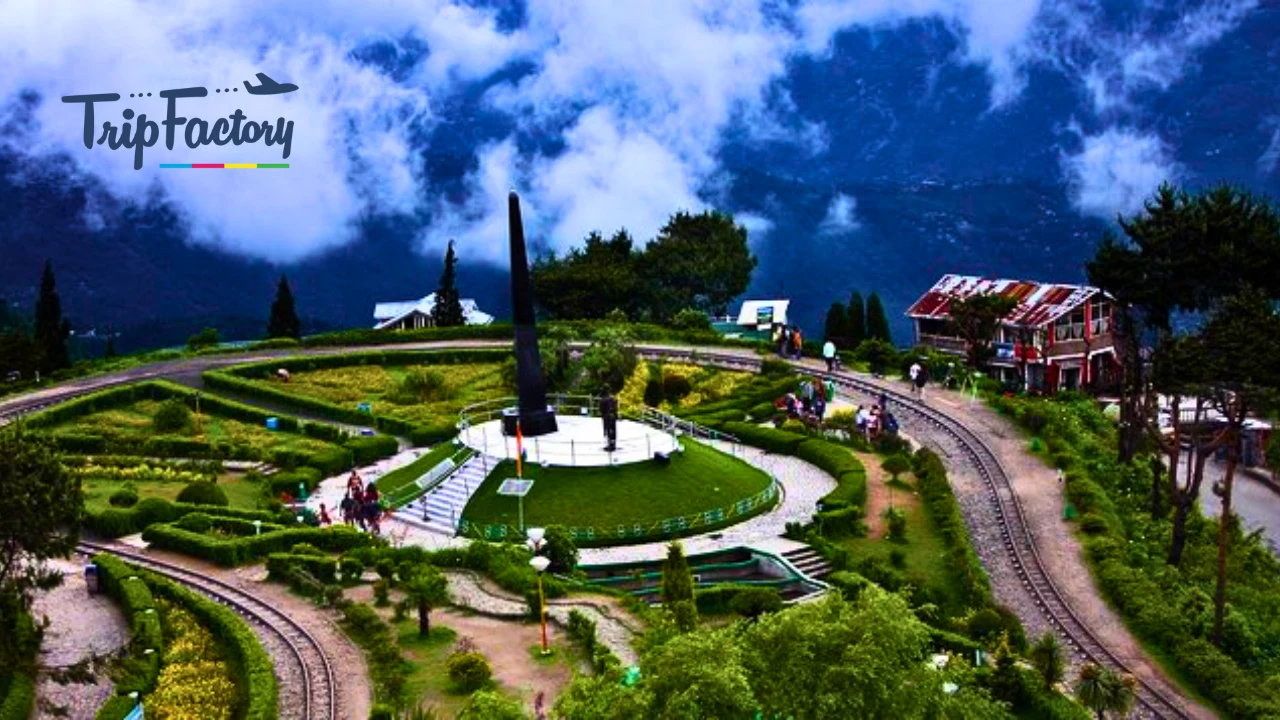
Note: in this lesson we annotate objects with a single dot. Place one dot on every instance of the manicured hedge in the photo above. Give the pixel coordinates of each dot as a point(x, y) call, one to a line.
point(142, 669)
point(20, 695)
point(117, 522)
point(778, 442)
point(940, 502)
point(20, 698)
point(715, 600)
point(242, 550)
point(287, 481)
point(366, 450)
point(250, 663)
point(322, 568)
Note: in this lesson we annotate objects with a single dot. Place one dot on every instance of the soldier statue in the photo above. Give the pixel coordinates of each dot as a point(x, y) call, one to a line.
point(609, 413)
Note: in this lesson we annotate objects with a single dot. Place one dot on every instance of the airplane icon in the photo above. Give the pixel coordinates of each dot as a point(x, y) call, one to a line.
point(269, 86)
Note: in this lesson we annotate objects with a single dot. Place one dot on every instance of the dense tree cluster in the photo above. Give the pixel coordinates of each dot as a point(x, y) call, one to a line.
point(697, 261)
point(1195, 278)
point(852, 325)
point(39, 344)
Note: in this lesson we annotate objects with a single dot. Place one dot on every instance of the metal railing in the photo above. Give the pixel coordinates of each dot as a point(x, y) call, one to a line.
point(429, 480)
point(655, 530)
point(576, 452)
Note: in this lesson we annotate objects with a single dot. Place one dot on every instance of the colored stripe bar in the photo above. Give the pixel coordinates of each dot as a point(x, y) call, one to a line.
point(226, 166)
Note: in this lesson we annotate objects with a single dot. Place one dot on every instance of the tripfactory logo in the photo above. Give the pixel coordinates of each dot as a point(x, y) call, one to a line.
point(235, 128)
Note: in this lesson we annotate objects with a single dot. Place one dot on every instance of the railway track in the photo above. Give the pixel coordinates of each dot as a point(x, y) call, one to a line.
point(1019, 544)
point(1015, 531)
point(303, 672)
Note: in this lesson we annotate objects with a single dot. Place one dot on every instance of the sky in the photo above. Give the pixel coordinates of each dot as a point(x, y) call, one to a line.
point(631, 103)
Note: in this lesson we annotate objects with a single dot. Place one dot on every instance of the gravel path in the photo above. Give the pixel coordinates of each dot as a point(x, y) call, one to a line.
point(80, 625)
point(613, 628)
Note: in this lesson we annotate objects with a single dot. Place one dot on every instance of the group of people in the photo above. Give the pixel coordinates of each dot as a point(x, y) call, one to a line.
point(788, 340)
point(811, 403)
point(362, 505)
point(873, 420)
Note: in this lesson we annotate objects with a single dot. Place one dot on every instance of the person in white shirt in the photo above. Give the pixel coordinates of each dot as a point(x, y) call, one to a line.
point(914, 372)
point(829, 354)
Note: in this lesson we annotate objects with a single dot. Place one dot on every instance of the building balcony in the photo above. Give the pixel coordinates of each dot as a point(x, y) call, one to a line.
point(943, 343)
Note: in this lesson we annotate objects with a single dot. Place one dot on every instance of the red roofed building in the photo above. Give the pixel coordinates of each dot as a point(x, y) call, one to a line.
point(1070, 329)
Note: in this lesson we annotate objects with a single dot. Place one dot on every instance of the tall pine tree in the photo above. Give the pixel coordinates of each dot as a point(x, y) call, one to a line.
point(857, 320)
point(877, 321)
point(447, 311)
point(284, 316)
point(51, 329)
point(837, 326)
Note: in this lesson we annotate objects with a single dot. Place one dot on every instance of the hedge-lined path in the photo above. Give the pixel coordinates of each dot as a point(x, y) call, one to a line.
point(353, 690)
point(81, 625)
point(1043, 502)
point(270, 407)
point(614, 627)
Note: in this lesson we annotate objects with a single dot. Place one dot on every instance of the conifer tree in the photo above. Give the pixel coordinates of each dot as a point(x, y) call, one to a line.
point(837, 325)
point(877, 321)
point(51, 329)
point(677, 588)
point(447, 311)
point(284, 316)
point(857, 320)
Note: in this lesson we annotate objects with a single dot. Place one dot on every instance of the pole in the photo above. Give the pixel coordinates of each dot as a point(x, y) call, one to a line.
point(521, 501)
point(542, 614)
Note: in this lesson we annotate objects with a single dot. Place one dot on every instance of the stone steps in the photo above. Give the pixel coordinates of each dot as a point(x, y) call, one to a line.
point(809, 562)
point(443, 505)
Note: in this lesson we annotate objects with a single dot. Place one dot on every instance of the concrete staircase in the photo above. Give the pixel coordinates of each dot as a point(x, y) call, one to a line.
point(808, 562)
point(442, 506)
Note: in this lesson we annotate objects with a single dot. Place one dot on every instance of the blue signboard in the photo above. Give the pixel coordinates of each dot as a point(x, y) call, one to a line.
point(135, 714)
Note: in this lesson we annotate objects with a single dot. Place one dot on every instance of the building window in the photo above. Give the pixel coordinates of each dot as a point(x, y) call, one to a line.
point(1070, 327)
point(1099, 316)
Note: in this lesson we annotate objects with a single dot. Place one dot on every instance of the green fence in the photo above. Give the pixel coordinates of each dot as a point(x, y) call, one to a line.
point(658, 530)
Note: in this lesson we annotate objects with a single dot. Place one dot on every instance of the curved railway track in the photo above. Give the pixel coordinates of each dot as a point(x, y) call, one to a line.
point(1019, 544)
point(304, 674)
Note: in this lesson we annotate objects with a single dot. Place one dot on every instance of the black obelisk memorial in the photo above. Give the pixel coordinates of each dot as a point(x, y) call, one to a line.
point(534, 415)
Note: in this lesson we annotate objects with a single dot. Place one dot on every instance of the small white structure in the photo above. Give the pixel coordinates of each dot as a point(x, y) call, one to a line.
point(762, 314)
point(414, 314)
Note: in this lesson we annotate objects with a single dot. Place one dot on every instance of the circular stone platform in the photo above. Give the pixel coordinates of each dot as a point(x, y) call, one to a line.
point(579, 442)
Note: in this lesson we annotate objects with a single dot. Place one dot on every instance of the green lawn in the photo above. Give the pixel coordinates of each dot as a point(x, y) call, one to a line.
point(240, 493)
point(349, 386)
point(925, 553)
point(402, 476)
point(698, 480)
point(135, 421)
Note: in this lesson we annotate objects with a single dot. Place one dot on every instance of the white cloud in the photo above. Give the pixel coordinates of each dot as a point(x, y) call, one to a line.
point(1114, 64)
point(1116, 171)
point(350, 152)
point(1270, 158)
point(758, 228)
point(995, 32)
point(842, 216)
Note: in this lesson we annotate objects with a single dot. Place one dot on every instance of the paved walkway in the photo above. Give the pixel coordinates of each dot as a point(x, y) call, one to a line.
point(1257, 505)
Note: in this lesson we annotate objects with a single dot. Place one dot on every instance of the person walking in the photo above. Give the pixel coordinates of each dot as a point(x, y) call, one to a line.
point(919, 379)
point(798, 341)
point(779, 339)
point(829, 354)
point(324, 516)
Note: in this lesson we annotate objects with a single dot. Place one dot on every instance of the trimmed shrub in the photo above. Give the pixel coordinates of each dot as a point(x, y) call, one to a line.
point(675, 387)
point(172, 416)
point(125, 497)
point(322, 568)
point(756, 601)
point(850, 584)
point(241, 550)
point(469, 671)
point(203, 493)
point(716, 599)
point(366, 450)
point(769, 440)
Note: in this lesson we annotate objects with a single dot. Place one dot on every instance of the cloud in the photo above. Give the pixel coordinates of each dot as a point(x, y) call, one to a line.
point(995, 34)
point(1270, 158)
point(1116, 171)
point(758, 228)
point(841, 216)
point(352, 148)
point(1114, 64)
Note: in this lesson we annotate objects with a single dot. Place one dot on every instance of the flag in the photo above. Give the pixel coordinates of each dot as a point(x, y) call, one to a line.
point(519, 448)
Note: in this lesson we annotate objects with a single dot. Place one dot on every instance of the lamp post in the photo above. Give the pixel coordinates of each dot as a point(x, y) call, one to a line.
point(540, 564)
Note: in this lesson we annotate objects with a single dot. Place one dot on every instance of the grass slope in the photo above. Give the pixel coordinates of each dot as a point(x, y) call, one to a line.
point(698, 480)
